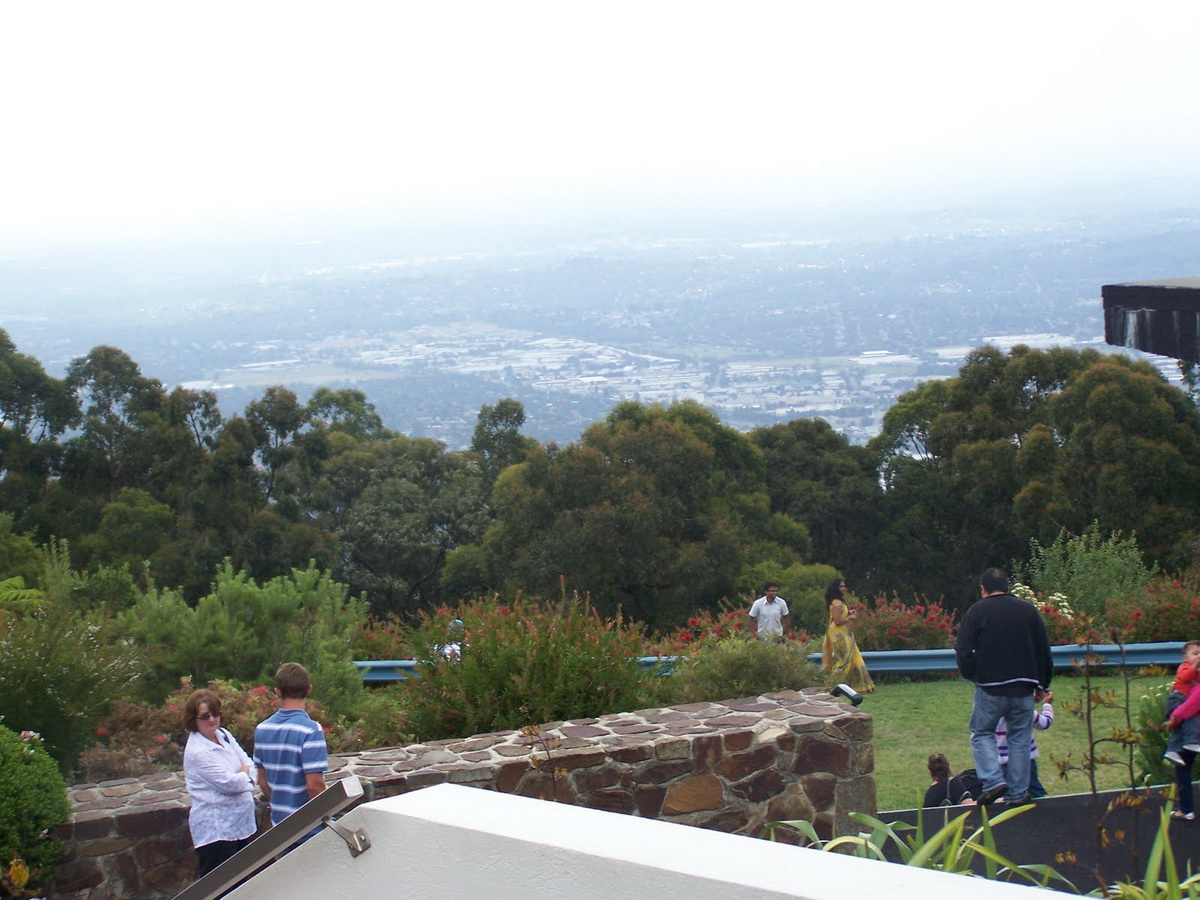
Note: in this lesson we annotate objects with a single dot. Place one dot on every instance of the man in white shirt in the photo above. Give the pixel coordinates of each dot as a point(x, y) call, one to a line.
point(770, 611)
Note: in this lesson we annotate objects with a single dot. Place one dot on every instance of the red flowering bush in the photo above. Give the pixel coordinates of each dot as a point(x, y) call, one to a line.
point(379, 639)
point(1168, 609)
point(1061, 627)
point(711, 625)
point(139, 738)
point(891, 624)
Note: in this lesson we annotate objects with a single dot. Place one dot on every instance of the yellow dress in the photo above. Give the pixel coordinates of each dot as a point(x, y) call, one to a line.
point(839, 653)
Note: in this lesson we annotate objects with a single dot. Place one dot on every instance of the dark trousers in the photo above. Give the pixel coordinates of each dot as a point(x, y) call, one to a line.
point(212, 855)
point(1183, 782)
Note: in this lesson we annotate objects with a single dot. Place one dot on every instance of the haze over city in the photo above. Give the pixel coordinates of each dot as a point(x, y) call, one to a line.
point(777, 209)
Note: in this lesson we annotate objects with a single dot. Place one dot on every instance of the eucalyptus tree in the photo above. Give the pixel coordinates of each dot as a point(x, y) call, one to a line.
point(655, 510)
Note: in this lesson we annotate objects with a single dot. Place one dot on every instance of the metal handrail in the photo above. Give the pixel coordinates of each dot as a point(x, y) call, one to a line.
point(278, 839)
point(1162, 653)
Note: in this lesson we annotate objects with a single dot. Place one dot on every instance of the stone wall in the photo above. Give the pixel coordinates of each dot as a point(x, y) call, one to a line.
point(732, 766)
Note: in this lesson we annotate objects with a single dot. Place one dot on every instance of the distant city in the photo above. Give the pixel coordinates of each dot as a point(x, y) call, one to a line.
point(761, 322)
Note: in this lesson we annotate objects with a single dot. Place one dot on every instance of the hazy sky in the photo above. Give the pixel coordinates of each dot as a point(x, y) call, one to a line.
point(119, 113)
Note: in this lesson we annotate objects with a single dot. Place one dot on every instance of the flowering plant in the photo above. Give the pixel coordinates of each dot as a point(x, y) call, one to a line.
point(892, 624)
point(708, 625)
point(1167, 609)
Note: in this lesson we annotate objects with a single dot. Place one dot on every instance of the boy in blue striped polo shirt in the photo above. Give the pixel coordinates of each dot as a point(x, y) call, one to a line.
point(289, 747)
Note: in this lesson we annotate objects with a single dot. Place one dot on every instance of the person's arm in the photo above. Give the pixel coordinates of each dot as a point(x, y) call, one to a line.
point(315, 762)
point(264, 785)
point(1045, 718)
point(1186, 709)
point(208, 767)
point(839, 613)
point(315, 783)
point(964, 647)
point(1045, 657)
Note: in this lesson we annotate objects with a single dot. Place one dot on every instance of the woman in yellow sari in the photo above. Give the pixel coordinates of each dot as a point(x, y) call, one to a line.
point(839, 651)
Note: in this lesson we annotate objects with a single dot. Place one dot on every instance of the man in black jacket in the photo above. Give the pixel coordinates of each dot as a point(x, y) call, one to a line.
point(1002, 646)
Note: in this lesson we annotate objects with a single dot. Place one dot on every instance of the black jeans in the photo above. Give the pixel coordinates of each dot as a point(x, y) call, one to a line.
point(212, 855)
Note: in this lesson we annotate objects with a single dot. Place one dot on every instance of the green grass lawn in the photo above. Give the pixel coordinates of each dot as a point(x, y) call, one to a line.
point(915, 719)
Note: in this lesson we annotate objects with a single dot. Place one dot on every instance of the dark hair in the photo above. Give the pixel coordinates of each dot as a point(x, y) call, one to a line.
point(1189, 644)
point(195, 698)
point(769, 585)
point(835, 591)
point(292, 681)
point(993, 581)
point(939, 768)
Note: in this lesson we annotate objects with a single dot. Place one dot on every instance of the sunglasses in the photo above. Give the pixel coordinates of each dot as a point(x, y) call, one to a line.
point(207, 716)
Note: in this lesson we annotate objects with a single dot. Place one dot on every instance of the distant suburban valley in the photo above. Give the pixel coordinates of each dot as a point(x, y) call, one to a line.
point(763, 319)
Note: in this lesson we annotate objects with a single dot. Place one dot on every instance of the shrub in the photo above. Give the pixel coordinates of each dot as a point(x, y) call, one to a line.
point(242, 631)
point(1167, 609)
point(33, 801)
point(1062, 625)
point(522, 663)
point(59, 675)
point(1150, 714)
point(707, 624)
point(379, 639)
point(1088, 568)
point(732, 667)
point(892, 624)
point(138, 738)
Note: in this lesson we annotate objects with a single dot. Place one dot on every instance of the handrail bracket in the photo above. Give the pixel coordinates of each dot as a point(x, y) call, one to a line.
point(357, 841)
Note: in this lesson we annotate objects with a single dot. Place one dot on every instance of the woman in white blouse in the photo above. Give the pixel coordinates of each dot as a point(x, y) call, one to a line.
point(220, 779)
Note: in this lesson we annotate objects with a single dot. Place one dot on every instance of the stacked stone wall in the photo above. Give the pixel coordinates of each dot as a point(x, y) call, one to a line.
point(731, 766)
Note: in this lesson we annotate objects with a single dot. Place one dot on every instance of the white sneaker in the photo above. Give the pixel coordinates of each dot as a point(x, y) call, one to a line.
point(1172, 757)
point(1194, 748)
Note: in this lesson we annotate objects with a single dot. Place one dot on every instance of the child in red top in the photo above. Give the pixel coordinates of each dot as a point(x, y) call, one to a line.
point(1186, 731)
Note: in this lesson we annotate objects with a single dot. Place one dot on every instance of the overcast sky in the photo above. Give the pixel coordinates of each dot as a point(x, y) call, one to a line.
point(117, 113)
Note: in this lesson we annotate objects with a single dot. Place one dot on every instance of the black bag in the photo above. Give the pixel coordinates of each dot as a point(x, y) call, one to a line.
point(964, 786)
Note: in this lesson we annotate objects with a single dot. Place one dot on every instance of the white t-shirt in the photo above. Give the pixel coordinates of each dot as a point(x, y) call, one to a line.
point(769, 615)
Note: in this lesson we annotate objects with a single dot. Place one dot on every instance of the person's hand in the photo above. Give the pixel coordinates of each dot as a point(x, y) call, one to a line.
point(1045, 696)
point(1172, 723)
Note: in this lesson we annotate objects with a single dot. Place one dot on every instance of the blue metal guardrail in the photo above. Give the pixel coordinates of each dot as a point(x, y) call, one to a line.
point(1165, 653)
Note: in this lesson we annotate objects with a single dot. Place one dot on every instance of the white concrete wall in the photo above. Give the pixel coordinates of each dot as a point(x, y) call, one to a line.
point(454, 842)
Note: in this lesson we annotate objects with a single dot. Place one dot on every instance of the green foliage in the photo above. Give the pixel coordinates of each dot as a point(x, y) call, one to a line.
point(801, 585)
point(416, 504)
point(1163, 879)
point(732, 667)
point(652, 512)
point(521, 662)
point(1149, 717)
point(20, 557)
point(1090, 568)
point(815, 477)
point(949, 849)
point(60, 673)
point(243, 631)
point(33, 801)
point(15, 596)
